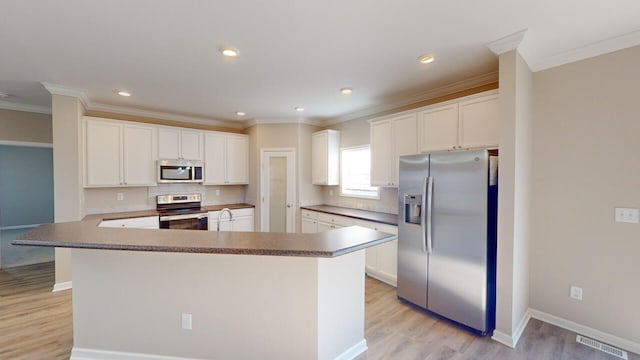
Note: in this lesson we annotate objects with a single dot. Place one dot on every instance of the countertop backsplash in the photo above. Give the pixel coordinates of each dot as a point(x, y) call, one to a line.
point(388, 202)
point(104, 200)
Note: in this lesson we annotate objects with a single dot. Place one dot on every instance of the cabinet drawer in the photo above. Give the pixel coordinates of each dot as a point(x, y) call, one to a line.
point(139, 222)
point(334, 219)
point(307, 214)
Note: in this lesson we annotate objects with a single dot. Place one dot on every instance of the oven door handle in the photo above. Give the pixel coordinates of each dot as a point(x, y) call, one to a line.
point(183, 217)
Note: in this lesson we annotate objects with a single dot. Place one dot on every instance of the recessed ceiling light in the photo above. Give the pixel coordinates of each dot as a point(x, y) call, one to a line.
point(346, 90)
point(124, 93)
point(241, 113)
point(425, 59)
point(229, 52)
point(299, 109)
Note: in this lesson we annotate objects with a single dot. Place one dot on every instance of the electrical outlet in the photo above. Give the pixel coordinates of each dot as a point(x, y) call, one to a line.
point(119, 196)
point(217, 192)
point(186, 321)
point(576, 293)
point(627, 215)
point(330, 192)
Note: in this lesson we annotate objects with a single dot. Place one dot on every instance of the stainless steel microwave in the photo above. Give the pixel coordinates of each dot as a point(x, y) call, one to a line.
point(179, 171)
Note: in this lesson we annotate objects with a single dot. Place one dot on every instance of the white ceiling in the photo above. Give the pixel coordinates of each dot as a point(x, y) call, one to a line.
point(292, 52)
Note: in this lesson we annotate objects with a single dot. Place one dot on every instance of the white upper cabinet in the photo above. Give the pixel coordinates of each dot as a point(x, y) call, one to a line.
point(465, 124)
point(479, 122)
point(438, 128)
point(325, 157)
point(176, 143)
point(119, 153)
point(139, 155)
point(390, 139)
point(226, 159)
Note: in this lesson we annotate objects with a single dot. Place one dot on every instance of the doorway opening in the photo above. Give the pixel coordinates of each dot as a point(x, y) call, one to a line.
point(26, 200)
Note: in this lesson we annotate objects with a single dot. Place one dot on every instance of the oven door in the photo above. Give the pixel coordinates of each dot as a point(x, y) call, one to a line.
point(185, 221)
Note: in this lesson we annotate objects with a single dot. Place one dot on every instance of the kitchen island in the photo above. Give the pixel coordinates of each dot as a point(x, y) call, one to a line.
point(165, 294)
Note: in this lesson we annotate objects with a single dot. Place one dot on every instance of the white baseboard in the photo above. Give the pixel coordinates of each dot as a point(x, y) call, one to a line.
point(353, 351)
point(90, 354)
point(385, 278)
point(61, 286)
point(586, 331)
point(512, 340)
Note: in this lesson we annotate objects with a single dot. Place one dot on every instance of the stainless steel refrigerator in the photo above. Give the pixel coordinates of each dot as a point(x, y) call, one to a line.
point(447, 228)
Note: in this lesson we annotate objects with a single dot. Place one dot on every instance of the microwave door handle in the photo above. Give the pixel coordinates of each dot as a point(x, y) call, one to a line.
point(429, 214)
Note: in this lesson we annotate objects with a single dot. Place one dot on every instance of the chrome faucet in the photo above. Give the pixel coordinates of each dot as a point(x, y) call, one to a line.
point(220, 216)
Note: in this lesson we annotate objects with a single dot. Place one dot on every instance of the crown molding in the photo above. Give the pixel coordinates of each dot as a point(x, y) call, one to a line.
point(588, 51)
point(123, 110)
point(25, 107)
point(507, 43)
point(55, 89)
point(290, 120)
point(462, 85)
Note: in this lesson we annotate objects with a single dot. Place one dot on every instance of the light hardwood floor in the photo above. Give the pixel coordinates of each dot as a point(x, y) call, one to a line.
point(37, 324)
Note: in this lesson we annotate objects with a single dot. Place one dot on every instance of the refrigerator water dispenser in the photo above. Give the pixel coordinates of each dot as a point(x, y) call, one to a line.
point(412, 208)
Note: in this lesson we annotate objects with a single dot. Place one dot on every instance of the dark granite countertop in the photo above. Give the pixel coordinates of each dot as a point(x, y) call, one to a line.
point(87, 235)
point(154, 212)
point(383, 218)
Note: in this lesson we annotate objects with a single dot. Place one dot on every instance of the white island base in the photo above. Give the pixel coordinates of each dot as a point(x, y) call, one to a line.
point(130, 305)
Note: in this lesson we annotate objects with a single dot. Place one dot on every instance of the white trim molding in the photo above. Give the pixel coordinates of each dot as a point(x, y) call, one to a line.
point(507, 43)
point(7, 105)
point(592, 50)
point(26, 144)
point(512, 340)
point(354, 351)
point(163, 115)
point(55, 89)
point(61, 286)
point(91, 354)
point(466, 84)
point(586, 331)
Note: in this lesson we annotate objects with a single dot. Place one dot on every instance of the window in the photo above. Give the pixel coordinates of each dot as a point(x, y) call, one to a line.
point(355, 173)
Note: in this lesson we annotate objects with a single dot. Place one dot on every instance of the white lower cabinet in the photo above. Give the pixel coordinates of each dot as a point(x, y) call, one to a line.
point(309, 223)
point(381, 261)
point(146, 222)
point(242, 220)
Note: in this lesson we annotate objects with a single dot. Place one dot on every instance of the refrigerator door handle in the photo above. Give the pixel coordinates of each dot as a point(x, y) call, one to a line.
point(423, 210)
point(429, 211)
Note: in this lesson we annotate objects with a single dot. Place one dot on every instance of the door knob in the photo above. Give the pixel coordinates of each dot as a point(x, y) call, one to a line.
point(289, 205)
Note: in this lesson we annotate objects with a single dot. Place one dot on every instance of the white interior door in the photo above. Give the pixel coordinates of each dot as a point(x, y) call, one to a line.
point(278, 190)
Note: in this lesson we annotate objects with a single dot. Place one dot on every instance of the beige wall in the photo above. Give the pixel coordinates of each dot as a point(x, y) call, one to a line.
point(25, 126)
point(67, 176)
point(242, 306)
point(512, 297)
point(587, 161)
point(295, 136)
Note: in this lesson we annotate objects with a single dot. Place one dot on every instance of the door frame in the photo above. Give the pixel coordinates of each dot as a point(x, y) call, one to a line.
point(290, 154)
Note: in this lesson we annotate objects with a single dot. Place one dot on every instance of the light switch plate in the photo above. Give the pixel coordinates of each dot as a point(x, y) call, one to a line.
point(186, 321)
point(576, 293)
point(627, 215)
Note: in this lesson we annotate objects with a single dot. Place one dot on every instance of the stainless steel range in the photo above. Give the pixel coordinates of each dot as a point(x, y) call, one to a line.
point(182, 212)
